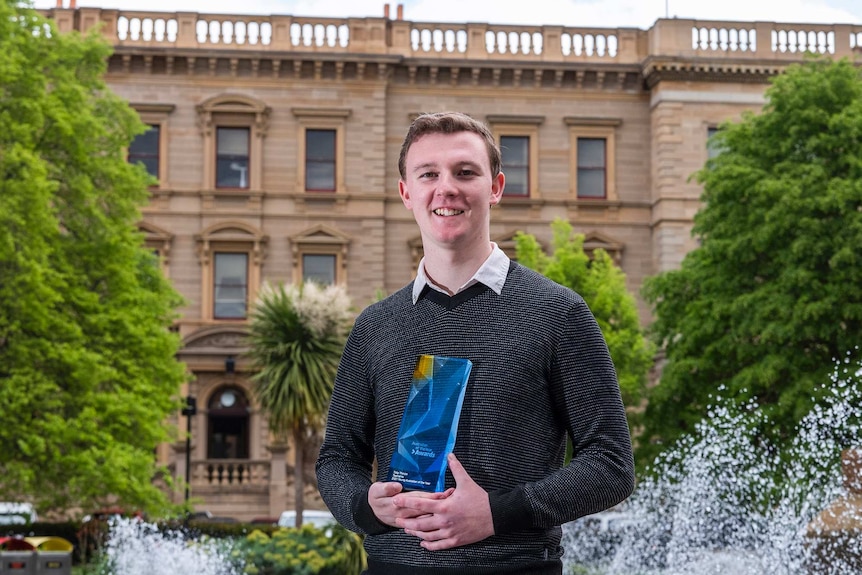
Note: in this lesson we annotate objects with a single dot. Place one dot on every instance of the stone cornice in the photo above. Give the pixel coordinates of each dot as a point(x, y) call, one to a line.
point(374, 68)
point(656, 70)
point(455, 54)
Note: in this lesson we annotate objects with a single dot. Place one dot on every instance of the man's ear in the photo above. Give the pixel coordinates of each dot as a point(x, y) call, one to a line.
point(497, 186)
point(405, 194)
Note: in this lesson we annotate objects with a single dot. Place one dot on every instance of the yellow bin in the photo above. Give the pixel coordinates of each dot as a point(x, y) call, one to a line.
point(53, 555)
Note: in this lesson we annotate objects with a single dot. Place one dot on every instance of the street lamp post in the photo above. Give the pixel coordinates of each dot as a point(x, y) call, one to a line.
point(189, 410)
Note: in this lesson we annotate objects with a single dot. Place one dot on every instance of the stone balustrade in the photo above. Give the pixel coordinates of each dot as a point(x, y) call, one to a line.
point(230, 472)
point(681, 38)
point(773, 40)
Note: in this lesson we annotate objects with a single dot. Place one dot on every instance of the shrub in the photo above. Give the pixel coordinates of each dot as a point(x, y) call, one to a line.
point(304, 551)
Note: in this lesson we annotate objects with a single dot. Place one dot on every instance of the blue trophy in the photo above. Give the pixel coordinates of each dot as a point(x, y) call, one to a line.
point(430, 422)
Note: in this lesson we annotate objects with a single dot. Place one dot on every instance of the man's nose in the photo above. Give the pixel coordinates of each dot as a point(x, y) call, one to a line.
point(446, 184)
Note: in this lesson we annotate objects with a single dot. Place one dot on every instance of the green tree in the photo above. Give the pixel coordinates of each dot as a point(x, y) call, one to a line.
point(774, 291)
point(602, 285)
point(88, 369)
point(296, 337)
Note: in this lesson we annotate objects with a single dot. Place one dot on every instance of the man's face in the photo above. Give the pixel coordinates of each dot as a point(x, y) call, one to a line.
point(450, 190)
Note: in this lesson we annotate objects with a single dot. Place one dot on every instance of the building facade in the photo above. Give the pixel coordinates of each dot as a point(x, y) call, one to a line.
point(275, 142)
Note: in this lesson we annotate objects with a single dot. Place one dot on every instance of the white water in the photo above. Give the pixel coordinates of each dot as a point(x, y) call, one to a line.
point(713, 507)
point(138, 548)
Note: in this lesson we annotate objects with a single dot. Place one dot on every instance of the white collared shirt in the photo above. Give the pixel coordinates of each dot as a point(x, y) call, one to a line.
point(492, 273)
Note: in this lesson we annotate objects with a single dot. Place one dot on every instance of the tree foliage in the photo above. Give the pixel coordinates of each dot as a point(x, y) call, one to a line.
point(774, 292)
point(88, 373)
point(296, 337)
point(602, 285)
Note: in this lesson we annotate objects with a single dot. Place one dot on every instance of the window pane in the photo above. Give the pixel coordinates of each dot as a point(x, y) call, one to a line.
point(591, 153)
point(228, 437)
point(591, 167)
point(230, 285)
point(516, 164)
point(712, 148)
point(232, 157)
point(233, 141)
point(320, 177)
point(151, 165)
point(516, 182)
point(144, 149)
point(320, 160)
point(320, 144)
point(318, 268)
point(591, 183)
point(515, 150)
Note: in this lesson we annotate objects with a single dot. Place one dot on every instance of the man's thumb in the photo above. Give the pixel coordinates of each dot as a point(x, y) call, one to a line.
point(458, 471)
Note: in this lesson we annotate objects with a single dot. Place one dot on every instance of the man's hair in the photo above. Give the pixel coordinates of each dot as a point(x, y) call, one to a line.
point(449, 123)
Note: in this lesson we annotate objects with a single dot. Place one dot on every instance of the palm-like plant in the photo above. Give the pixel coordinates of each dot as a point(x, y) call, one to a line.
point(296, 337)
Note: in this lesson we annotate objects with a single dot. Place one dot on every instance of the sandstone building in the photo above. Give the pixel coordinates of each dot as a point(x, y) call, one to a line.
point(275, 142)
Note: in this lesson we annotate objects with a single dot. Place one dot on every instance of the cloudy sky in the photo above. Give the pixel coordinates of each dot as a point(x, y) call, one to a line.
point(593, 13)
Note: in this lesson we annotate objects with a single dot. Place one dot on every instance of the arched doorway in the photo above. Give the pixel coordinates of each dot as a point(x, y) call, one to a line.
point(228, 424)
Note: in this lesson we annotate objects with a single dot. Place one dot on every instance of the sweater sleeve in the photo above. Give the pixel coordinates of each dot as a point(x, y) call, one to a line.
point(584, 386)
point(344, 466)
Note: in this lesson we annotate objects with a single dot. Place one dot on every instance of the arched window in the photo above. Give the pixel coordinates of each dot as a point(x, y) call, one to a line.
point(233, 128)
point(228, 424)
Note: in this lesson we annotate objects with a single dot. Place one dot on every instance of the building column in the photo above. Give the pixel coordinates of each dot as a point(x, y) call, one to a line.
point(277, 478)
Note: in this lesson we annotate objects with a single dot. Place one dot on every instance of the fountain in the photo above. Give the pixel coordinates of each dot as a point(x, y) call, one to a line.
point(713, 505)
point(135, 547)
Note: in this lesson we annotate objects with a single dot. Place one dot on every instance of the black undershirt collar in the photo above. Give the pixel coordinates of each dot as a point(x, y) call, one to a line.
point(451, 302)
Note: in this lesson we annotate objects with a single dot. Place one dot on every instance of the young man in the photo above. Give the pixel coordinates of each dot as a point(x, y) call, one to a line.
point(541, 372)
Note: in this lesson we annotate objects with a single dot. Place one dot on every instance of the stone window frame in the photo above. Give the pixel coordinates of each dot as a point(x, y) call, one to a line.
point(158, 239)
point(594, 240)
point(322, 119)
point(333, 164)
point(233, 111)
point(320, 240)
point(593, 128)
point(229, 237)
point(517, 125)
point(229, 283)
point(157, 115)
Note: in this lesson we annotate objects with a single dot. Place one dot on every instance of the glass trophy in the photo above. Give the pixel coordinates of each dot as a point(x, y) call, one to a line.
point(430, 422)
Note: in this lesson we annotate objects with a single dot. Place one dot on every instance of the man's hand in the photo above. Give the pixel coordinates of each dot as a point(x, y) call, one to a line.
point(462, 518)
point(380, 496)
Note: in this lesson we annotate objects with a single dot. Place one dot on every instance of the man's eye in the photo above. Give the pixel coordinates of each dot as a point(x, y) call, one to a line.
point(467, 172)
point(427, 175)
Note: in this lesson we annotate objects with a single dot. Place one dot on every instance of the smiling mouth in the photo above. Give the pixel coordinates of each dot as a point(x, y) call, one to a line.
point(447, 212)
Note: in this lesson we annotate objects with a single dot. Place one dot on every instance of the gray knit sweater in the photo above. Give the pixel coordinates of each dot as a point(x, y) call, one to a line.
point(541, 370)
